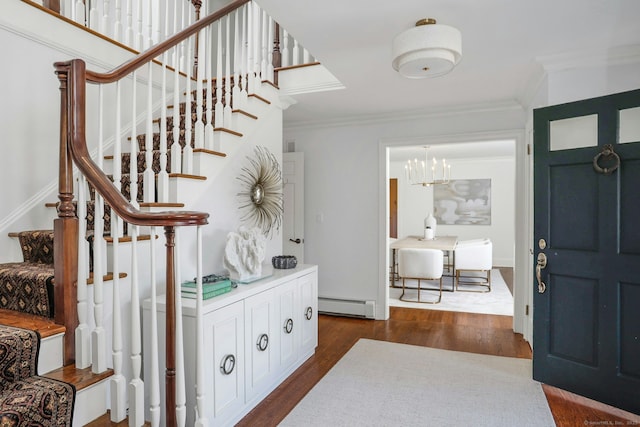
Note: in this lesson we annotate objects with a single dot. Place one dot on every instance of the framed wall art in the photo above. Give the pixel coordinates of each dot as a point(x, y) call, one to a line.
point(463, 202)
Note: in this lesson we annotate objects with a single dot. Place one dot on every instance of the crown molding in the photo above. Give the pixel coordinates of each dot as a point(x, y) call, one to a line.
point(618, 55)
point(399, 116)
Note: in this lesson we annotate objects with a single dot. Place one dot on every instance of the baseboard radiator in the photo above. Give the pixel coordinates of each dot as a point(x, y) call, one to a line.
point(342, 307)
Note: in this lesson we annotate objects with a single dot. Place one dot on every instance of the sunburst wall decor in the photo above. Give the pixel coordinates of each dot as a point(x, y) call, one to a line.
point(261, 195)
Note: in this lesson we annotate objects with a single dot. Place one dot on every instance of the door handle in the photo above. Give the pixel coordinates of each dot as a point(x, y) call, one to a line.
point(541, 264)
point(298, 241)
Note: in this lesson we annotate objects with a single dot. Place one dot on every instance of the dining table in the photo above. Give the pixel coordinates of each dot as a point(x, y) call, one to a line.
point(443, 243)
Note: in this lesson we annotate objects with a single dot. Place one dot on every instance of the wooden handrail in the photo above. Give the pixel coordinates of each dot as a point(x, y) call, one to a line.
point(155, 51)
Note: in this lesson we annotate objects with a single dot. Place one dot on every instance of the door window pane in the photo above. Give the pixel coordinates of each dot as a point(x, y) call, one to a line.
point(629, 125)
point(575, 132)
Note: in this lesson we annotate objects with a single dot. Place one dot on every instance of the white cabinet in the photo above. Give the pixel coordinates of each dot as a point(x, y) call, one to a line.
point(254, 337)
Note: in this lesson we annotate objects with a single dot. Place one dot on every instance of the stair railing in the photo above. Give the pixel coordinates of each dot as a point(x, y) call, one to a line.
point(156, 77)
point(139, 24)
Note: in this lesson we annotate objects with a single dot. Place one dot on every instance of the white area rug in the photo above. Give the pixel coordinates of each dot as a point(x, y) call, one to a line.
point(379, 383)
point(498, 301)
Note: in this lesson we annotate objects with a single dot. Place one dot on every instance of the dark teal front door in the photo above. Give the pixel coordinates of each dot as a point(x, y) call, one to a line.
point(587, 226)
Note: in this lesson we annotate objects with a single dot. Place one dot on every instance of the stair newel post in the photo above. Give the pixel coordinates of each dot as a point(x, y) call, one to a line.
point(65, 253)
point(170, 327)
point(227, 75)
point(83, 334)
point(276, 56)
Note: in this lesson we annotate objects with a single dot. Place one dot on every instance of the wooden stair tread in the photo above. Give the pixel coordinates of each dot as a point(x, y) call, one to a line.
point(214, 153)
point(106, 278)
point(44, 326)
point(161, 205)
point(80, 378)
point(126, 239)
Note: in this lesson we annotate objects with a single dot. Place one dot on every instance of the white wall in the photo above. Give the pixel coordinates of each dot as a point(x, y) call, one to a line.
point(415, 202)
point(342, 181)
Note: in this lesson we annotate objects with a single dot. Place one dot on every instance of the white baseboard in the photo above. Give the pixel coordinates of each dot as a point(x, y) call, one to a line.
point(366, 309)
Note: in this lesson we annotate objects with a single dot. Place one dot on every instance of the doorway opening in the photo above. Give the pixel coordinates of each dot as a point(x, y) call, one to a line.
point(491, 161)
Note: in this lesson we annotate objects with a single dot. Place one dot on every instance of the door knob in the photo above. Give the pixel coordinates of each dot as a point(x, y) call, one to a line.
point(298, 241)
point(541, 264)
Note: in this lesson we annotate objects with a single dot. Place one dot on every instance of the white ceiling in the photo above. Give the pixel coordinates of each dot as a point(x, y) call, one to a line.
point(504, 43)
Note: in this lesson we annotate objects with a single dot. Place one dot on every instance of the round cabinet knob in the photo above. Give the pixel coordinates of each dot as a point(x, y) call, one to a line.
point(228, 363)
point(308, 313)
point(263, 342)
point(288, 325)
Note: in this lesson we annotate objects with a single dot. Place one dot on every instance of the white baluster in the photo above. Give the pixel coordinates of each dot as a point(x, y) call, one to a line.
point(218, 110)
point(201, 419)
point(208, 128)
point(264, 46)
point(270, 33)
point(181, 396)
point(153, 17)
point(285, 49)
point(79, 12)
point(295, 60)
point(106, 19)
point(98, 336)
point(257, 37)
point(200, 77)
point(83, 332)
point(117, 24)
point(227, 76)
point(149, 174)
point(236, 103)
point(244, 60)
point(163, 176)
point(133, 150)
point(118, 382)
point(187, 151)
point(94, 17)
point(306, 58)
point(176, 151)
point(250, 52)
point(129, 33)
point(154, 387)
point(136, 385)
point(139, 40)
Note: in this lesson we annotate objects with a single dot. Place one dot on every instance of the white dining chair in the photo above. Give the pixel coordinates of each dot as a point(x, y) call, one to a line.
point(420, 265)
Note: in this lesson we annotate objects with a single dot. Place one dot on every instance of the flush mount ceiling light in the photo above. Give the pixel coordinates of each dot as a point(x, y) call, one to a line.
point(426, 50)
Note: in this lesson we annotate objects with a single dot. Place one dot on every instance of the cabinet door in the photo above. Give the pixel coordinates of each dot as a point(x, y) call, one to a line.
point(289, 323)
point(224, 341)
point(261, 343)
point(307, 286)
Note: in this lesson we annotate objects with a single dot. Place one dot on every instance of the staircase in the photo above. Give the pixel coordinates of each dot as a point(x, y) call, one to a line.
point(216, 116)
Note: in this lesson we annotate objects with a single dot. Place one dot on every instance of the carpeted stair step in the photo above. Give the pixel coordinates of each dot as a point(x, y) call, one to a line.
point(28, 286)
point(27, 399)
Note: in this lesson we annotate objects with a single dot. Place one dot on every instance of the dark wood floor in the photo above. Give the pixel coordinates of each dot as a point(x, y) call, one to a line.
point(476, 333)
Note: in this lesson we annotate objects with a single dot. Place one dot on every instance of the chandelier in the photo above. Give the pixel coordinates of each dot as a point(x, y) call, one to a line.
point(427, 173)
